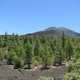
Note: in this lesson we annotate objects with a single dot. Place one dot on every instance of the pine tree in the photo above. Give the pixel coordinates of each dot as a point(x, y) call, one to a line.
point(46, 55)
point(69, 50)
point(29, 53)
point(58, 56)
point(1, 42)
point(37, 50)
point(63, 40)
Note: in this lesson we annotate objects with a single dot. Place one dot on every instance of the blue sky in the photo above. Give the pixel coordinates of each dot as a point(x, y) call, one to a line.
point(27, 16)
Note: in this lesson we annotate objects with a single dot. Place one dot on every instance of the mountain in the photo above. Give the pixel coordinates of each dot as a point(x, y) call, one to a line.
point(61, 29)
point(53, 31)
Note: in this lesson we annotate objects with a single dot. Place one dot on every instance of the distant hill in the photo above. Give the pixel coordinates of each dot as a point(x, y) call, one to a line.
point(53, 31)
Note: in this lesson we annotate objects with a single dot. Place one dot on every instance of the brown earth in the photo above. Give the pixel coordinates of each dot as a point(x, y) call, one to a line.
point(7, 72)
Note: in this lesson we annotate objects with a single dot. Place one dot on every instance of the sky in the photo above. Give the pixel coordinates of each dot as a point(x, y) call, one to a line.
point(28, 16)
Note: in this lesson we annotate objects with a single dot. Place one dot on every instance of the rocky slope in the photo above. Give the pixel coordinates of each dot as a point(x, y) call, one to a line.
point(53, 31)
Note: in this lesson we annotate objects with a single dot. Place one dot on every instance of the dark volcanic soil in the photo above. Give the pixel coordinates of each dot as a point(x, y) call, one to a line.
point(8, 73)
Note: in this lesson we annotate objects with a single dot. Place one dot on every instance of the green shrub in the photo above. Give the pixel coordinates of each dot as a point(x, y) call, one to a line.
point(74, 66)
point(44, 78)
point(18, 62)
point(1, 56)
point(10, 56)
point(72, 76)
point(36, 63)
point(74, 70)
point(70, 68)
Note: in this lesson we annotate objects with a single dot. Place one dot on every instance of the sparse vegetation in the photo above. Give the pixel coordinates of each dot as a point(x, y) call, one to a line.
point(44, 78)
point(74, 72)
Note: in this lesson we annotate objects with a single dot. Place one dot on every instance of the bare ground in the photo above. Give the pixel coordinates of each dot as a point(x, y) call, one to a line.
point(7, 72)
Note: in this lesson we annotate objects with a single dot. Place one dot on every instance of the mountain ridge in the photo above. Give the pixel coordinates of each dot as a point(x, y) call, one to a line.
point(54, 31)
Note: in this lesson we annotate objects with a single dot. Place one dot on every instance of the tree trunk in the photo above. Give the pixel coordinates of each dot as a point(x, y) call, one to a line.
point(29, 67)
point(60, 62)
point(69, 56)
point(45, 66)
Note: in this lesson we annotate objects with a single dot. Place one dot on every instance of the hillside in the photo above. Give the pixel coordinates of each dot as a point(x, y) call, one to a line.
point(53, 31)
point(29, 57)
